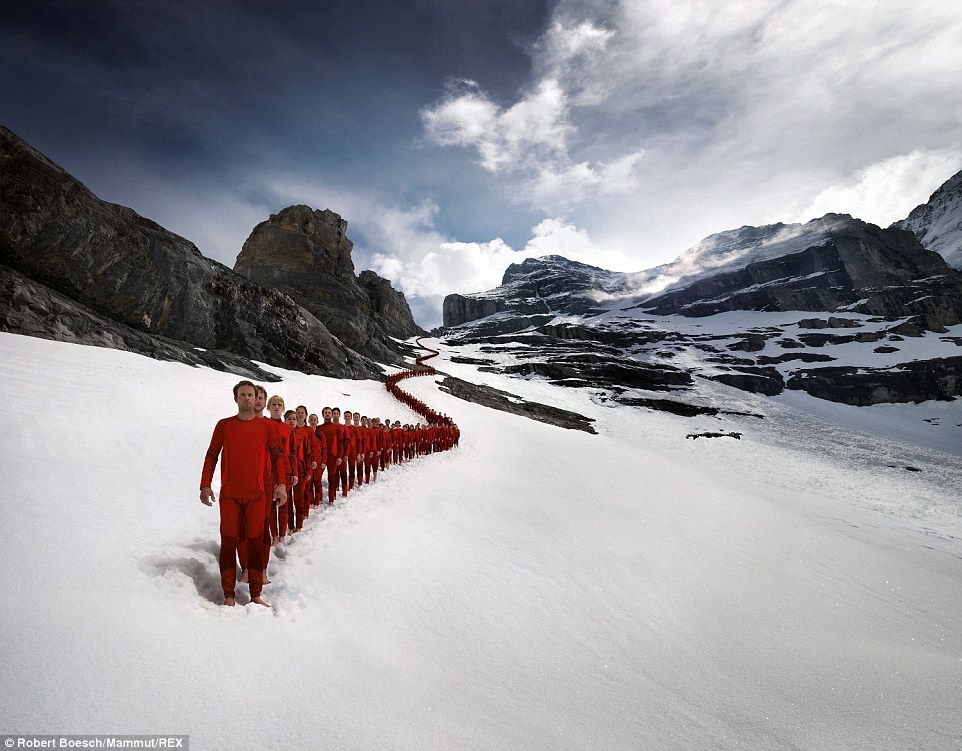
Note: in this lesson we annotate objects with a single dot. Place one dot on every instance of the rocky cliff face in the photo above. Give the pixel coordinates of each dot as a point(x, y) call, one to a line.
point(860, 268)
point(536, 289)
point(121, 268)
point(938, 222)
point(737, 311)
point(305, 253)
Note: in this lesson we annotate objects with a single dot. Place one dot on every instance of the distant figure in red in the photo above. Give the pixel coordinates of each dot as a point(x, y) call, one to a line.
point(245, 442)
point(304, 451)
point(331, 432)
point(343, 441)
point(315, 491)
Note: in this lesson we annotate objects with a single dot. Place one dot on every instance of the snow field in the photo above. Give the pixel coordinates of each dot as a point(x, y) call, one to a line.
point(535, 588)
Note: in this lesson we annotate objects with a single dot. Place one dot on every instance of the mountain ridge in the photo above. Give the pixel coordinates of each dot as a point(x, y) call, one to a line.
point(118, 279)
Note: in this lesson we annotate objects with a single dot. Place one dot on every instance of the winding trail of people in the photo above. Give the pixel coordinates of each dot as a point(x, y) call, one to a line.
point(277, 464)
point(435, 419)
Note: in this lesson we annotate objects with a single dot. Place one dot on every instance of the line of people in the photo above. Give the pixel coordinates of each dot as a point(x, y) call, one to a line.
point(433, 418)
point(273, 470)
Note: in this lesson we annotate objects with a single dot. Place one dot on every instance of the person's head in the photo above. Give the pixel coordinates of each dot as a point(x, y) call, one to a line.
point(245, 394)
point(336, 414)
point(260, 400)
point(290, 417)
point(348, 417)
point(326, 414)
point(301, 413)
point(242, 384)
point(312, 420)
point(275, 405)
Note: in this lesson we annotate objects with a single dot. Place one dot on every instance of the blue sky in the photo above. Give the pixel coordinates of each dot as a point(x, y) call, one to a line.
point(458, 137)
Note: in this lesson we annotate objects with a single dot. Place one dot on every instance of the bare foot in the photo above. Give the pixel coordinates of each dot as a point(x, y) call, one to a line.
point(261, 601)
point(266, 580)
point(244, 579)
point(229, 602)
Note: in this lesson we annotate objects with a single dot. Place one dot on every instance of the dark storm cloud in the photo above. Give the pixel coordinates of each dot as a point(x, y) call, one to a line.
point(223, 85)
point(93, 30)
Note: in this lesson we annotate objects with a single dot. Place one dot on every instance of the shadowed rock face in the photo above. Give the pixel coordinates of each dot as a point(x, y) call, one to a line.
point(502, 400)
point(938, 222)
point(32, 309)
point(129, 270)
point(862, 268)
point(915, 381)
point(537, 287)
point(306, 254)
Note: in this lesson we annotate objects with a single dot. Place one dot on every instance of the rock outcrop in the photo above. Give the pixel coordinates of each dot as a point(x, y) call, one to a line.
point(938, 222)
point(916, 381)
point(32, 309)
point(107, 276)
point(861, 268)
point(502, 400)
point(305, 253)
point(535, 290)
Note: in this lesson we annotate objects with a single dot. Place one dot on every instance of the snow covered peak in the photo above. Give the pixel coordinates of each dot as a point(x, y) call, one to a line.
point(938, 223)
point(735, 249)
point(546, 264)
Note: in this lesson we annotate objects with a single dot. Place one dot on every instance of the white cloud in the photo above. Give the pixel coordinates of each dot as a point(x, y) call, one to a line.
point(888, 190)
point(532, 137)
point(574, 54)
point(478, 266)
point(514, 138)
point(567, 186)
point(745, 113)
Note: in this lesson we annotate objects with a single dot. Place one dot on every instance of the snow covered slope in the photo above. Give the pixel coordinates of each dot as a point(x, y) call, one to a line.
point(536, 588)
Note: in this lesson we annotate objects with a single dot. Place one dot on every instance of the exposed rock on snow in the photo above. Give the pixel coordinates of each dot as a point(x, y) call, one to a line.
point(502, 400)
point(581, 326)
point(32, 309)
point(916, 381)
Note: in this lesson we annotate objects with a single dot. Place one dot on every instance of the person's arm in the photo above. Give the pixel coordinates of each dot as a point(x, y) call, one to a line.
point(210, 463)
point(315, 449)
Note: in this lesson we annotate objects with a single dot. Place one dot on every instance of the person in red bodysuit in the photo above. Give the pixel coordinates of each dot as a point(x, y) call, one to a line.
point(352, 442)
point(245, 443)
point(304, 451)
point(297, 461)
point(279, 518)
point(320, 457)
point(331, 433)
point(365, 452)
point(343, 439)
point(270, 507)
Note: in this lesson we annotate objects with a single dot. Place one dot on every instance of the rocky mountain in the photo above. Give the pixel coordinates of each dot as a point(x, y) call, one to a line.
point(76, 268)
point(837, 307)
point(306, 254)
point(534, 290)
point(857, 267)
point(938, 222)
